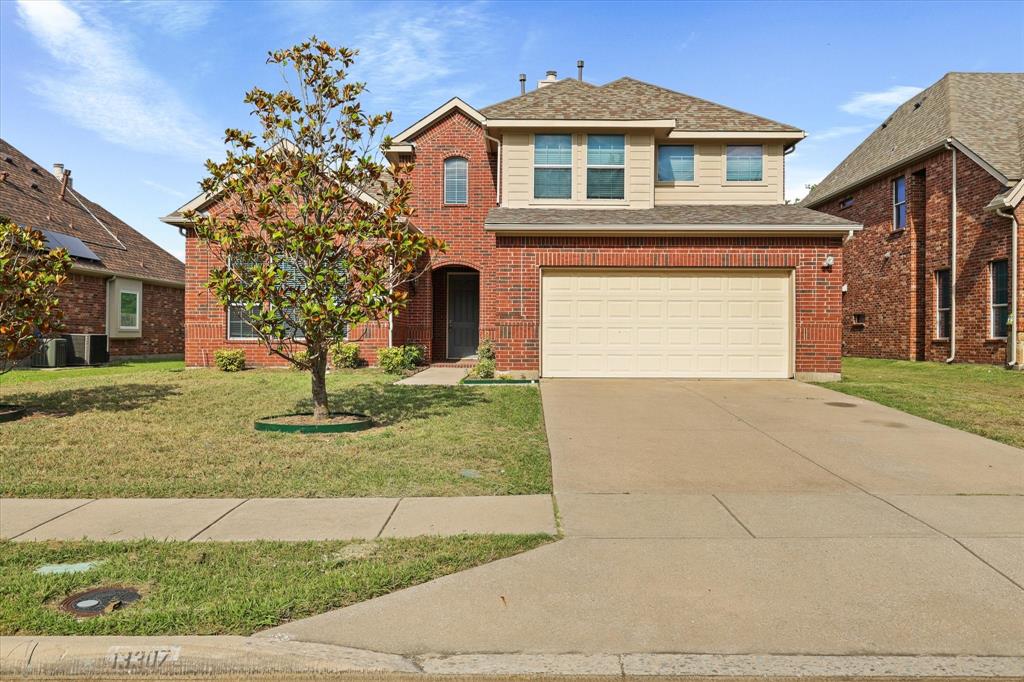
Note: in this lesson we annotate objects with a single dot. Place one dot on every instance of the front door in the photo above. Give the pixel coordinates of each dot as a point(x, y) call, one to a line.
point(463, 314)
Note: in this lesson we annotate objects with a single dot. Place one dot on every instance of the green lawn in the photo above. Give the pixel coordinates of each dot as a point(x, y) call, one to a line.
point(214, 588)
point(983, 399)
point(158, 430)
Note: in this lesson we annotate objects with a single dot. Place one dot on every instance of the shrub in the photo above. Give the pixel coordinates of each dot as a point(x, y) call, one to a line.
point(485, 368)
point(485, 351)
point(299, 356)
point(229, 360)
point(398, 359)
point(345, 355)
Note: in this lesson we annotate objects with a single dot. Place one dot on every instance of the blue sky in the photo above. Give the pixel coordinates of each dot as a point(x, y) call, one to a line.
point(134, 95)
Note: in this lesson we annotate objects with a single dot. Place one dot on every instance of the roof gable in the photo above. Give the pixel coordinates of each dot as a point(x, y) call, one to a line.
point(30, 196)
point(983, 111)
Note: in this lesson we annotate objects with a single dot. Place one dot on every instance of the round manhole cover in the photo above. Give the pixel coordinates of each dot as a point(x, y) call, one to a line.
point(842, 404)
point(100, 600)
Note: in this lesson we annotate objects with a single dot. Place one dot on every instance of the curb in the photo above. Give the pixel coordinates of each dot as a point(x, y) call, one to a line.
point(212, 656)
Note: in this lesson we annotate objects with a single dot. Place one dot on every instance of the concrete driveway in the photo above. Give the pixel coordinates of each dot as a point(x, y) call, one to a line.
point(732, 517)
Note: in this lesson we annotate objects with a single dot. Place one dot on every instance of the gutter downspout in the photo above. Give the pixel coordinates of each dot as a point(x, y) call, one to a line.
point(952, 261)
point(497, 198)
point(1014, 264)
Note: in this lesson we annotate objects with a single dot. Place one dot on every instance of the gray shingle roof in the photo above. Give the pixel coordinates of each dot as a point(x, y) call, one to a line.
point(690, 214)
point(30, 196)
point(984, 111)
point(628, 99)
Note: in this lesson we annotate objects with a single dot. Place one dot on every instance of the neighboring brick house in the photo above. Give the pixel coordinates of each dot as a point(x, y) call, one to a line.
point(620, 230)
point(957, 145)
point(123, 288)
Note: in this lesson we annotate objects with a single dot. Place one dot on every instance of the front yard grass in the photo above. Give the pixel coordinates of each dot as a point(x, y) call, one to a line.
point(220, 588)
point(163, 431)
point(983, 399)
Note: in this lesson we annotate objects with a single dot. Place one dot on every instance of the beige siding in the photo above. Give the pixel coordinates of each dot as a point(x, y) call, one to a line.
point(710, 187)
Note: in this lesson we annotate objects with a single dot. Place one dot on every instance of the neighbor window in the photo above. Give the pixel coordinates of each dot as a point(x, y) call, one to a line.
point(943, 304)
point(552, 167)
point(1000, 297)
point(606, 166)
point(743, 163)
point(675, 163)
point(846, 203)
point(899, 203)
point(858, 319)
point(456, 181)
point(129, 310)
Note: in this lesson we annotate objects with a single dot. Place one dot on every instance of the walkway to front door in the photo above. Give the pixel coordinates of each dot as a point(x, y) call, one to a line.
point(463, 313)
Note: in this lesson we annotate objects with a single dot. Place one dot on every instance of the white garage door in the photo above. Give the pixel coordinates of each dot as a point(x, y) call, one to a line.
point(657, 323)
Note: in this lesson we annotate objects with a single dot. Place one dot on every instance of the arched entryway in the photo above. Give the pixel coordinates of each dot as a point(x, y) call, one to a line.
point(456, 313)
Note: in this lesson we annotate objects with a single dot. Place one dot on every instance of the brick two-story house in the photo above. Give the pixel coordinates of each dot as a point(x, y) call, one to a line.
point(936, 272)
point(622, 230)
point(125, 296)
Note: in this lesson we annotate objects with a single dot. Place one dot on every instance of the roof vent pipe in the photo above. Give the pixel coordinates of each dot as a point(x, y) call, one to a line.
point(552, 77)
point(579, 69)
point(522, 84)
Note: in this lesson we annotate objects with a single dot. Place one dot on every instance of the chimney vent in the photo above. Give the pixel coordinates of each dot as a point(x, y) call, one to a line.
point(579, 69)
point(65, 181)
point(522, 84)
point(58, 170)
point(552, 77)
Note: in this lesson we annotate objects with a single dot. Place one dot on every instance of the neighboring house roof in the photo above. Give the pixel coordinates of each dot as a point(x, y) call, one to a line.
point(696, 217)
point(983, 112)
point(628, 99)
point(30, 196)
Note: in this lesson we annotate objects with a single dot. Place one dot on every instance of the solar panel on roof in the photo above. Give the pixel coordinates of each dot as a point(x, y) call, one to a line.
point(75, 247)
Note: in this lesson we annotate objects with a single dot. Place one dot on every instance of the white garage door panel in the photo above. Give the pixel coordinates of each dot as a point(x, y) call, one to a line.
point(666, 324)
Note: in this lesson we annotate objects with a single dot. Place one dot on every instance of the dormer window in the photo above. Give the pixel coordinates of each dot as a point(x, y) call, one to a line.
point(606, 166)
point(744, 163)
point(552, 167)
point(456, 181)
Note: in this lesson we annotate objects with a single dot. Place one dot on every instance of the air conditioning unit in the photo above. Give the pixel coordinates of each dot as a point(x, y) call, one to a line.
point(51, 353)
point(87, 349)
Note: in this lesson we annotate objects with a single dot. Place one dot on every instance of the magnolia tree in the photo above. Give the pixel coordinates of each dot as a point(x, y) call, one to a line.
point(313, 228)
point(30, 274)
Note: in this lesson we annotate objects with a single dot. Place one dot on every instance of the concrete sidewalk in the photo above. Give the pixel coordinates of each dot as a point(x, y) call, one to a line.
point(289, 519)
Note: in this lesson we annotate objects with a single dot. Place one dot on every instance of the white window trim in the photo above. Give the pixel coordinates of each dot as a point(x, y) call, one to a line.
point(604, 166)
point(992, 305)
point(897, 204)
point(679, 183)
point(939, 311)
point(138, 311)
point(444, 181)
point(726, 182)
point(561, 166)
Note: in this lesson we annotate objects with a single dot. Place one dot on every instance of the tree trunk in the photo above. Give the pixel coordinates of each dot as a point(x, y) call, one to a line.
point(319, 372)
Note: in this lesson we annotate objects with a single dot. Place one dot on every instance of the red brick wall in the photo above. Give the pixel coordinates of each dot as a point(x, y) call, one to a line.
point(890, 276)
point(84, 302)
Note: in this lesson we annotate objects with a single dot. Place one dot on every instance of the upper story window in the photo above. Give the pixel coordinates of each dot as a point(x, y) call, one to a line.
point(456, 181)
point(744, 163)
point(846, 203)
point(675, 163)
point(899, 203)
point(606, 166)
point(552, 166)
point(999, 298)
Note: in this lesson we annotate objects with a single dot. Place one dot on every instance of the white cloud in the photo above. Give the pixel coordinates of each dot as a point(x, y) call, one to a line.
point(170, 191)
point(881, 103)
point(102, 86)
point(836, 133)
point(174, 18)
point(427, 65)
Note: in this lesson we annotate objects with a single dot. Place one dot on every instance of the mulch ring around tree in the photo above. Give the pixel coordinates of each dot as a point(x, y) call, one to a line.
point(306, 423)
